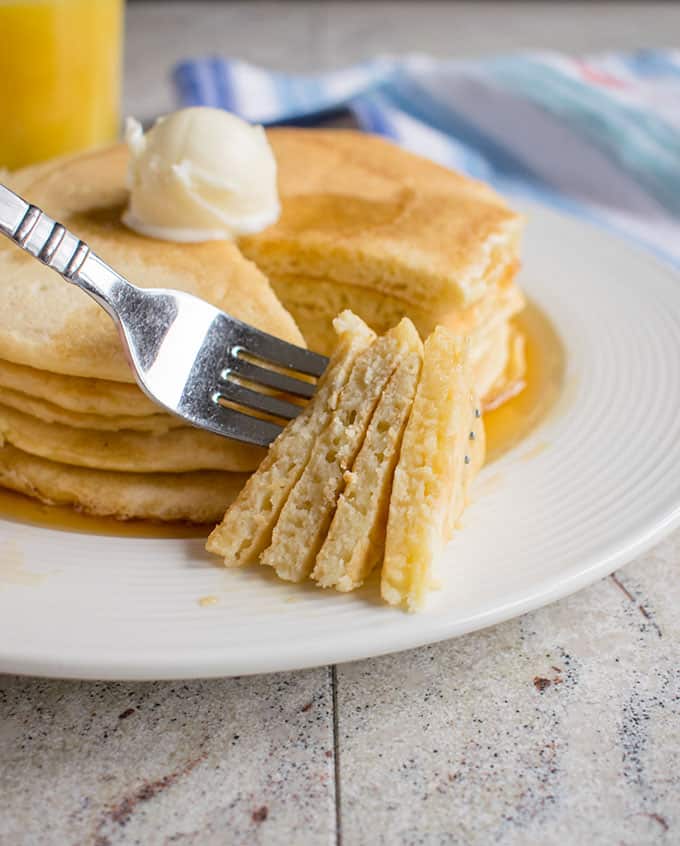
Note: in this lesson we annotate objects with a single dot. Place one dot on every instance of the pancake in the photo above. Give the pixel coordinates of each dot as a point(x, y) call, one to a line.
point(312, 302)
point(246, 528)
point(77, 394)
point(512, 380)
point(48, 324)
point(195, 497)
point(359, 210)
point(432, 475)
point(48, 412)
point(489, 364)
point(176, 451)
point(355, 542)
point(307, 513)
point(368, 227)
point(476, 452)
point(315, 302)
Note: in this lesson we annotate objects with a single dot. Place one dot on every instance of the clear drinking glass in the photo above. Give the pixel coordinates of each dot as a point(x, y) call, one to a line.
point(60, 77)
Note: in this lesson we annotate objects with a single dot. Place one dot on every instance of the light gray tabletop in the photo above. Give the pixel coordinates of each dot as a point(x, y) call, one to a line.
point(561, 727)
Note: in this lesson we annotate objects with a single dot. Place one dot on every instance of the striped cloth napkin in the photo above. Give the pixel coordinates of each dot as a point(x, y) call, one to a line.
point(598, 137)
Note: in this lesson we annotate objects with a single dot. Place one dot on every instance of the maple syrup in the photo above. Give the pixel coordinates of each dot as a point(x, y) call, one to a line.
point(23, 509)
point(511, 422)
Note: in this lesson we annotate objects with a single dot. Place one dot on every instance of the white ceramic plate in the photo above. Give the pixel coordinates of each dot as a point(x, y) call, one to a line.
point(602, 485)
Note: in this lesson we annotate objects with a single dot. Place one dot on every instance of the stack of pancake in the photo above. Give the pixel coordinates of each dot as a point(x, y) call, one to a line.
point(364, 226)
point(369, 227)
point(75, 428)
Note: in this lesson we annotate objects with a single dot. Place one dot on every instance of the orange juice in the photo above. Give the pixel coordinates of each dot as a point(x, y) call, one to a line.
point(60, 69)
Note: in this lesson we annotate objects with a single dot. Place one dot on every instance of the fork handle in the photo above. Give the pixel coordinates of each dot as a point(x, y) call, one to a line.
point(52, 244)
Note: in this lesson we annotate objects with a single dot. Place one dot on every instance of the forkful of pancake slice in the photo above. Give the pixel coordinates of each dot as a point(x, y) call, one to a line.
point(373, 473)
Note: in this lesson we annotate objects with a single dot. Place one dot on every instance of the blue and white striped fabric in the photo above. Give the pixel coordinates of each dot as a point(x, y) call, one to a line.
point(598, 138)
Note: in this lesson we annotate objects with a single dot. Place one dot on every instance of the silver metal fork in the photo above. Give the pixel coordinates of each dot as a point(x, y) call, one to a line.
point(186, 355)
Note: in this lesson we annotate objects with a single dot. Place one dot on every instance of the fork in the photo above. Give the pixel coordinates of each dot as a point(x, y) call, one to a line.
point(187, 356)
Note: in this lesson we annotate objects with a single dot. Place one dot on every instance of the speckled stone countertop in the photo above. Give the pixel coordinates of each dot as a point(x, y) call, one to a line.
point(560, 727)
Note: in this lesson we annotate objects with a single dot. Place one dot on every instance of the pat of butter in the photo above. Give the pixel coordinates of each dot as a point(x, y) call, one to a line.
point(200, 174)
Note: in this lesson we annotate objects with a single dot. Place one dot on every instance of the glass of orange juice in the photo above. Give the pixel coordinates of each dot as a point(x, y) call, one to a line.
point(60, 77)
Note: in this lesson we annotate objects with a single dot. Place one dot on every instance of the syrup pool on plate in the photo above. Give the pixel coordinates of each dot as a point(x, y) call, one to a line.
point(513, 421)
point(22, 509)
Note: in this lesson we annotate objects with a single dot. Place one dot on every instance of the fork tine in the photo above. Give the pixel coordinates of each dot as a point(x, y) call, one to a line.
point(270, 378)
point(241, 426)
point(267, 347)
point(241, 395)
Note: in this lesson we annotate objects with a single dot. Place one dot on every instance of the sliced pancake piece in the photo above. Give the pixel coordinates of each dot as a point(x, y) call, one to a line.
point(77, 393)
point(199, 497)
point(246, 528)
point(48, 412)
point(476, 452)
point(359, 209)
point(176, 451)
point(434, 469)
point(304, 519)
point(356, 539)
